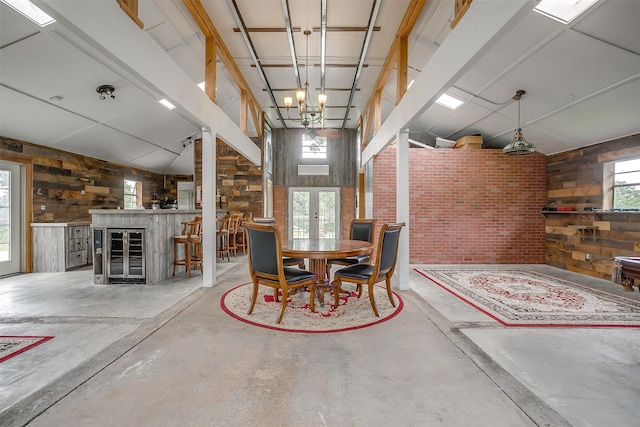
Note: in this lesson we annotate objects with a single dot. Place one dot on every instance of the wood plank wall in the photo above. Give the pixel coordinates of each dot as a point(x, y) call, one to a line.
point(60, 177)
point(342, 156)
point(238, 180)
point(575, 178)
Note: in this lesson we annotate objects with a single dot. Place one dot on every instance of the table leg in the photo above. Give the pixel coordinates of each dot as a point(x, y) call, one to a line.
point(319, 267)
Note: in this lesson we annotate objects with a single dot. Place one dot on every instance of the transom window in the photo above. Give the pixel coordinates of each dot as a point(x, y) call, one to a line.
point(132, 194)
point(314, 148)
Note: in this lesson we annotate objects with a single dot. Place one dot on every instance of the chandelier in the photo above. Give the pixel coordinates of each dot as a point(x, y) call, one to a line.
point(309, 114)
point(518, 144)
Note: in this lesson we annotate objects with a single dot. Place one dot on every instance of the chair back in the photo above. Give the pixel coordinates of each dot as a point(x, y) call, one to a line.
point(362, 229)
point(265, 253)
point(267, 221)
point(388, 244)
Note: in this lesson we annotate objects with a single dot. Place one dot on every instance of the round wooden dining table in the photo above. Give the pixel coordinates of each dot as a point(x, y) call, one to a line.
point(318, 251)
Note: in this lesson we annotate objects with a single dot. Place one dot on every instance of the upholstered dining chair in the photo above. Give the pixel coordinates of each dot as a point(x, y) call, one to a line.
point(287, 261)
point(361, 229)
point(367, 274)
point(266, 267)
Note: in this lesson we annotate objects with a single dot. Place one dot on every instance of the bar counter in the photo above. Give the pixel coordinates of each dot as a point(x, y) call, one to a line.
point(159, 225)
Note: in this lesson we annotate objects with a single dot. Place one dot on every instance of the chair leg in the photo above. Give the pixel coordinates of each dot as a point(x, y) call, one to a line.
point(254, 297)
point(175, 256)
point(188, 258)
point(389, 293)
point(328, 272)
point(372, 299)
point(285, 296)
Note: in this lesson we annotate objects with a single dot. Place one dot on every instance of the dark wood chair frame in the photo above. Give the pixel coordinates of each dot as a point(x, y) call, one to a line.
point(266, 267)
point(360, 229)
point(367, 274)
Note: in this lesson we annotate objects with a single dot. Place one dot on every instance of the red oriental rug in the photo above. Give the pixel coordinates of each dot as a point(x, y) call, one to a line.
point(528, 298)
point(352, 312)
point(13, 345)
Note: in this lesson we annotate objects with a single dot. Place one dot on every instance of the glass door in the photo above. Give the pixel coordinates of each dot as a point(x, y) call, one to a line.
point(10, 218)
point(314, 213)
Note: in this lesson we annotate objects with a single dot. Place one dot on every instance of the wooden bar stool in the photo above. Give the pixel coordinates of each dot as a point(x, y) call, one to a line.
point(222, 237)
point(191, 238)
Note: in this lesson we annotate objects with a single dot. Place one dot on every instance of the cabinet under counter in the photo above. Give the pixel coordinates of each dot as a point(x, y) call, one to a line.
point(60, 247)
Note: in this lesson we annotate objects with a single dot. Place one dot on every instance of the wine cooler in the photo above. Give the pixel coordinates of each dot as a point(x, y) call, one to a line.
point(125, 262)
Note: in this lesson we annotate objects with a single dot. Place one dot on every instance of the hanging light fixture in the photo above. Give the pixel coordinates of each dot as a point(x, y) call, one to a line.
point(518, 144)
point(106, 91)
point(309, 114)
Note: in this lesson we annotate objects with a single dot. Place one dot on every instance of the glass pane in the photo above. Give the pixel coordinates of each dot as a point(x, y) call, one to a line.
point(300, 215)
point(628, 177)
point(627, 197)
point(5, 215)
point(628, 165)
point(327, 215)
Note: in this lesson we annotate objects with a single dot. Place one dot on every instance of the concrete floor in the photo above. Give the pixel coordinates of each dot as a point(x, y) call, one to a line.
point(167, 355)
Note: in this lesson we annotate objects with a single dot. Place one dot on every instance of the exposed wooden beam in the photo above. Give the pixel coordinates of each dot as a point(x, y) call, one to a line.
point(411, 15)
point(130, 7)
point(201, 17)
point(210, 68)
point(403, 68)
point(461, 8)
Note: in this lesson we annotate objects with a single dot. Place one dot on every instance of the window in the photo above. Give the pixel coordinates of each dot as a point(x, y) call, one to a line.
point(132, 194)
point(314, 148)
point(622, 185)
point(626, 185)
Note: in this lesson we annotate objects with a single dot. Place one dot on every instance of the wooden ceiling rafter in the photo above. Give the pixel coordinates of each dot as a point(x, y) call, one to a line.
point(201, 18)
point(395, 57)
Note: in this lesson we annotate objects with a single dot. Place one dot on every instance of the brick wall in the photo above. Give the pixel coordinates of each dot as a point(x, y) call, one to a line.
point(467, 206)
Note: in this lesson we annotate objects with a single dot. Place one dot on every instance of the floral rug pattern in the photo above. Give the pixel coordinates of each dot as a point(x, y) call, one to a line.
point(352, 313)
point(528, 298)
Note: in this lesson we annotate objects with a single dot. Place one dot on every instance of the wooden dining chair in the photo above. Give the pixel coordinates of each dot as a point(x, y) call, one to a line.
point(287, 261)
point(367, 274)
point(361, 229)
point(266, 267)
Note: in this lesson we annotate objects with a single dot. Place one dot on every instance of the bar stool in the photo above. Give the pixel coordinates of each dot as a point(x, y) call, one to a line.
point(191, 236)
point(233, 233)
point(241, 236)
point(222, 237)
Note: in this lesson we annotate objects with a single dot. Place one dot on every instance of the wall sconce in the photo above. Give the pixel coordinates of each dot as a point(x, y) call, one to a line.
point(106, 91)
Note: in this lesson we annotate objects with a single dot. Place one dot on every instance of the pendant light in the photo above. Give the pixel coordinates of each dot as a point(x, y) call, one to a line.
point(518, 145)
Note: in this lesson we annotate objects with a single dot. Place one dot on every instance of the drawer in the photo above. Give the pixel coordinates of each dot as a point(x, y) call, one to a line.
point(76, 259)
point(77, 244)
point(78, 232)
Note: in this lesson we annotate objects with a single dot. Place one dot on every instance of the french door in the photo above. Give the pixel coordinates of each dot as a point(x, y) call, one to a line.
point(10, 218)
point(314, 213)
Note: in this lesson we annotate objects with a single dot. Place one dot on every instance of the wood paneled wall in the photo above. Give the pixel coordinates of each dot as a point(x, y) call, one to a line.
point(575, 178)
point(60, 178)
point(341, 158)
point(238, 180)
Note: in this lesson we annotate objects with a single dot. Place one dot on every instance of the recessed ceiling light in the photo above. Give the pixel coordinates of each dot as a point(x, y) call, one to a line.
point(411, 83)
point(30, 11)
point(56, 98)
point(449, 101)
point(563, 11)
point(167, 104)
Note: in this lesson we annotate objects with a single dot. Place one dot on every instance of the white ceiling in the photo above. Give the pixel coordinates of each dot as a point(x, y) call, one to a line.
point(582, 80)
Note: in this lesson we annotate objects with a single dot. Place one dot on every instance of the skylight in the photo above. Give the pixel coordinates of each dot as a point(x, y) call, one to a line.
point(30, 11)
point(563, 11)
point(449, 101)
point(167, 104)
point(201, 86)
